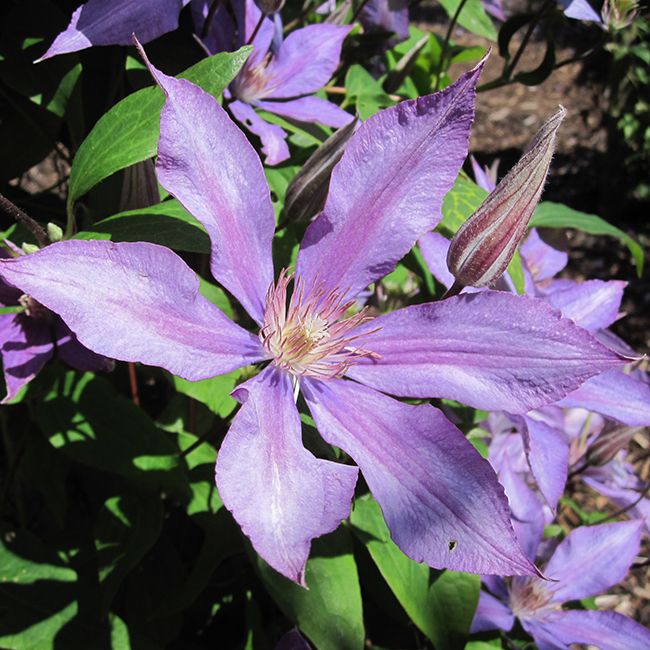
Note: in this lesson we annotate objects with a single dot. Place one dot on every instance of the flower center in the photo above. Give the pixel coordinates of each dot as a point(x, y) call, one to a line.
point(311, 335)
point(251, 83)
point(528, 596)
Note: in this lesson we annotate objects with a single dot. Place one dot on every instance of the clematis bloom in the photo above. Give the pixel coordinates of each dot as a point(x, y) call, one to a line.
point(140, 302)
point(281, 75)
point(590, 560)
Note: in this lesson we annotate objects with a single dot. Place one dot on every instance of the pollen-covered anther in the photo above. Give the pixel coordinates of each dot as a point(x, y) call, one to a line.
point(311, 335)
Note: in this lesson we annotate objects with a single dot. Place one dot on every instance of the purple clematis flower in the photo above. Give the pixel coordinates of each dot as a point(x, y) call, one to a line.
point(140, 302)
point(590, 560)
point(99, 22)
point(28, 339)
point(280, 78)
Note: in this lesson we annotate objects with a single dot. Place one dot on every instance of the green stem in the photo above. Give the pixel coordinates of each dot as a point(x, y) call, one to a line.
point(445, 43)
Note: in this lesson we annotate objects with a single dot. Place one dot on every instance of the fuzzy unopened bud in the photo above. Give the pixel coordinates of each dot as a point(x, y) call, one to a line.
point(482, 248)
point(307, 191)
point(30, 248)
point(139, 187)
point(269, 6)
point(609, 443)
point(54, 232)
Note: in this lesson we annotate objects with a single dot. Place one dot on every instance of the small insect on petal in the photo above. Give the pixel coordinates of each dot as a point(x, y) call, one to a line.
point(482, 248)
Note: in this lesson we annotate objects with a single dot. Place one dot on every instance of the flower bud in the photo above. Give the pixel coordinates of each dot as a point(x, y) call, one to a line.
point(482, 248)
point(269, 6)
point(609, 443)
point(307, 190)
point(54, 232)
point(30, 248)
point(139, 187)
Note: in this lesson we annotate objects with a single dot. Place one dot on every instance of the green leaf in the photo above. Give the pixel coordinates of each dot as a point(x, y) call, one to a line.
point(125, 529)
point(213, 392)
point(441, 608)
point(166, 223)
point(365, 91)
point(329, 612)
point(87, 420)
point(128, 133)
point(37, 592)
point(472, 17)
point(556, 215)
point(462, 200)
point(516, 272)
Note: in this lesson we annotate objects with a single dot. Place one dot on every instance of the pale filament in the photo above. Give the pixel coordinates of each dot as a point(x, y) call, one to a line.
point(311, 335)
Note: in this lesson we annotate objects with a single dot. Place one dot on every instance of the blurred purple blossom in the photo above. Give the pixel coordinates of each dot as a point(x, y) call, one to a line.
point(590, 560)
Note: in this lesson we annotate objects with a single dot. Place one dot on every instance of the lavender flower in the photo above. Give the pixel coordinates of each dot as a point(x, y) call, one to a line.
point(140, 302)
point(386, 16)
point(280, 78)
point(590, 560)
point(29, 338)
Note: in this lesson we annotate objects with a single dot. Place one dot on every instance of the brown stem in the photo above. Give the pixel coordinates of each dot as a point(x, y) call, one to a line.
point(627, 508)
point(133, 381)
point(454, 290)
point(445, 43)
point(257, 29)
point(21, 217)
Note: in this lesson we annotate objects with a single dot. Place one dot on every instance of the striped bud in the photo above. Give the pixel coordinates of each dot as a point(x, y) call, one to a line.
point(139, 186)
point(609, 443)
point(307, 190)
point(482, 248)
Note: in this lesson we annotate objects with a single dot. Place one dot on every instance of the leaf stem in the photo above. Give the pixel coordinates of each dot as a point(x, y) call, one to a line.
point(445, 43)
point(21, 217)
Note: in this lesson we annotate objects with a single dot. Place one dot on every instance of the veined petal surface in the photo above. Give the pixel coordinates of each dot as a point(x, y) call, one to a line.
point(491, 614)
point(206, 162)
point(490, 350)
point(309, 109)
point(280, 494)
point(442, 501)
point(134, 302)
point(387, 189)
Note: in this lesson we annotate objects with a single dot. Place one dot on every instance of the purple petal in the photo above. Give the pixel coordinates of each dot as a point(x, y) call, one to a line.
point(440, 499)
point(543, 261)
point(606, 630)
point(387, 16)
point(248, 17)
point(616, 395)
point(305, 62)
point(580, 10)
point(387, 189)
point(98, 22)
point(434, 248)
point(593, 304)
point(207, 163)
point(273, 137)
point(591, 559)
point(292, 640)
point(547, 450)
point(76, 355)
point(221, 36)
point(279, 493)
point(26, 347)
point(134, 302)
point(490, 350)
point(309, 109)
point(527, 512)
point(491, 614)
point(495, 9)
point(483, 176)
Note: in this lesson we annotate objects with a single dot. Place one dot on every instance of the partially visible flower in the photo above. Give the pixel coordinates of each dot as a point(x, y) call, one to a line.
point(99, 22)
point(29, 338)
point(140, 302)
point(484, 245)
point(390, 16)
point(580, 10)
point(590, 560)
point(279, 78)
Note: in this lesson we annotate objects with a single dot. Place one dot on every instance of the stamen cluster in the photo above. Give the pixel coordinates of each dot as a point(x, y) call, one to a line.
point(311, 335)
